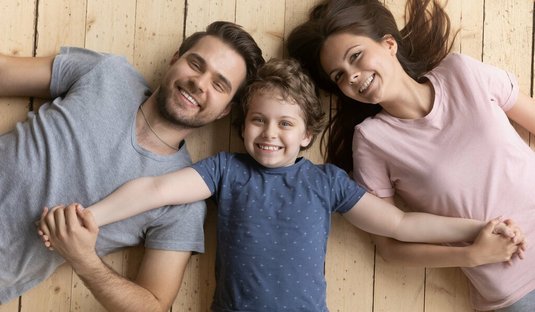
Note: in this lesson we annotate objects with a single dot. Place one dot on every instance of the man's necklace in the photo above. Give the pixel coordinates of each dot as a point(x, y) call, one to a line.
point(154, 132)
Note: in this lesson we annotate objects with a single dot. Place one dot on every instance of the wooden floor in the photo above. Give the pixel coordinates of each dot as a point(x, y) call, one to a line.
point(147, 32)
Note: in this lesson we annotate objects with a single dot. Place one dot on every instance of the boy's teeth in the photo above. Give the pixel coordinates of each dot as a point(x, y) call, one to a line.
point(269, 147)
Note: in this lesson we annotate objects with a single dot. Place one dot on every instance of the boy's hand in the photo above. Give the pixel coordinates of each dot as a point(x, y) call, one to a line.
point(70, 230)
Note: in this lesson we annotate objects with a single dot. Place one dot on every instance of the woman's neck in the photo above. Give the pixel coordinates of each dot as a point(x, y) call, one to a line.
point(413, 101)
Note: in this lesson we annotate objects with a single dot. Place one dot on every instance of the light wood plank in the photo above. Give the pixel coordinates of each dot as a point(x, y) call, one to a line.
point(110, 27)
point(349, 269)
point(447, 290)
point(54, 294)
point(159, 32)
point(508, 41)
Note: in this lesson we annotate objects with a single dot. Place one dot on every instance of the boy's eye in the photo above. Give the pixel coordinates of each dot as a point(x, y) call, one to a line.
point(285, 123)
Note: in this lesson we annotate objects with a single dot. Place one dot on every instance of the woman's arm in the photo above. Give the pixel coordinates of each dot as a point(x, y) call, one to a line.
point(487, 248)
point(142, 194)
point(523, 112)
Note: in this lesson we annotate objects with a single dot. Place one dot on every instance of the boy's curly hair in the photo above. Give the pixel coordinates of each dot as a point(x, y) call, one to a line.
point(294, 85)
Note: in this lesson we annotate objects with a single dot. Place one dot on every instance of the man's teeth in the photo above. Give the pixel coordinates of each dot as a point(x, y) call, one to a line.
point(269, 147)
point(188, 97)
point(366, 84)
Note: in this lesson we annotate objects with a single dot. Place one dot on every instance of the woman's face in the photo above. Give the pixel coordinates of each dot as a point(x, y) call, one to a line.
point(360, 66)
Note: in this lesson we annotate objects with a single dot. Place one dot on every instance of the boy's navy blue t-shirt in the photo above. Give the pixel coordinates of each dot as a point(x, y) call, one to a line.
point(272, 231)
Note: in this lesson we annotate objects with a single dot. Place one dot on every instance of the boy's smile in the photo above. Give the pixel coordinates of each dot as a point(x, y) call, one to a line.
point(274, 130)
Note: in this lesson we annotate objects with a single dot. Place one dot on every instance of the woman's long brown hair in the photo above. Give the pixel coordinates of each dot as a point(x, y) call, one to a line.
point(422, 44)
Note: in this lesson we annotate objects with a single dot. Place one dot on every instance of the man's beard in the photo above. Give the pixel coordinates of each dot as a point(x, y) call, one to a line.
point(179, 121)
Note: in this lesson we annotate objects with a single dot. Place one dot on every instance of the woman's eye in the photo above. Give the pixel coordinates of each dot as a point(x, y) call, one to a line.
point(337, 77)
point(354, 56)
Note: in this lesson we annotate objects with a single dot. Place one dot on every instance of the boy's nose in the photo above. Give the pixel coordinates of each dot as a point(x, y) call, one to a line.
point(269, 131)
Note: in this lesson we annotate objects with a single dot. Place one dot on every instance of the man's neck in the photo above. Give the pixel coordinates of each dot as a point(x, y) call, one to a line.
point(156, 134)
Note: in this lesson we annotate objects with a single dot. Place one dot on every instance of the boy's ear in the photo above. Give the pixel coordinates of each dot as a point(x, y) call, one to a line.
point(307, 139)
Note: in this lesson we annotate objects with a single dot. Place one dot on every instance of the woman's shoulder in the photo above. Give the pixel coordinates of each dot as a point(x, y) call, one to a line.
point(457, 61)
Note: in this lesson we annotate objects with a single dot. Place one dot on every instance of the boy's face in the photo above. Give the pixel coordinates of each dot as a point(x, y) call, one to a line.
point(274, 130)
point(200, 84)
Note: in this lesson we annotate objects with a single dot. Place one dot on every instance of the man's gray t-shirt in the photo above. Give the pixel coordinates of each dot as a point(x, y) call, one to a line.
point(79, 148)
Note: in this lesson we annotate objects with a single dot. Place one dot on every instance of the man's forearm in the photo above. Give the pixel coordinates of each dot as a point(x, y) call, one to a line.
point(113, 291)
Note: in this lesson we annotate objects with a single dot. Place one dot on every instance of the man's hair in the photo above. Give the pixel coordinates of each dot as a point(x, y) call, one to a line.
point(285, 78)
point(239, 40)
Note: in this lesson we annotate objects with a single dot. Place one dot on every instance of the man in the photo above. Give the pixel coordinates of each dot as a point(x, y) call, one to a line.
point(103, 128)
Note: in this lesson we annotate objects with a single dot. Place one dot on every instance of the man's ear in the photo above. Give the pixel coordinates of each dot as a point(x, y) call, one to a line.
point(226, 111)
point(175, 58)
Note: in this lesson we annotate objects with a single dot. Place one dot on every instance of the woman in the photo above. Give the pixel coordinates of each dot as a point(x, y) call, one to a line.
point(429, 126)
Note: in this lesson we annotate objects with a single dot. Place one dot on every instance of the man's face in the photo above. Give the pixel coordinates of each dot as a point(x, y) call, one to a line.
point(200, 84)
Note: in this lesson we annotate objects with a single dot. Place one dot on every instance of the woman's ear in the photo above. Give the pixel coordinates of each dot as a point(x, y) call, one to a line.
point(390, 43)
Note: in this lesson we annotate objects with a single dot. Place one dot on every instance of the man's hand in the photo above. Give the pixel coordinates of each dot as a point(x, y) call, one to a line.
point(71, 231)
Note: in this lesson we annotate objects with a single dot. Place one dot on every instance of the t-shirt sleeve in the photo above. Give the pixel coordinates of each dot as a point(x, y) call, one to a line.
point(211, 169)
point(70, 65)
point(179, 228)
point(345, 191)
point(369, 169)
point(501, 85)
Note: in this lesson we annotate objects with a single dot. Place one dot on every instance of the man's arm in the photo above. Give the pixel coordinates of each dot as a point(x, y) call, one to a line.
point(156, 285)
point(158, 280)
point(25, 76)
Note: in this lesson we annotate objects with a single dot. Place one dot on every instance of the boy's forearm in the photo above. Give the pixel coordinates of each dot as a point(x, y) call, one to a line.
point(130, 199)
point(425, 255)
point(423, 227)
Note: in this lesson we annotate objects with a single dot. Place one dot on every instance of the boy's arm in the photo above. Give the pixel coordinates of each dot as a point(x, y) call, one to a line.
point(25, 76)
point(142, 194)
point(377, 216)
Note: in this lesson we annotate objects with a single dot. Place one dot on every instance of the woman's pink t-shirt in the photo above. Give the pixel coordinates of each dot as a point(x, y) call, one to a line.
point(464, 159)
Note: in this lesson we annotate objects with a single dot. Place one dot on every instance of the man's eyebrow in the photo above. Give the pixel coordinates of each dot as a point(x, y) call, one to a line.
point(202, 63)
